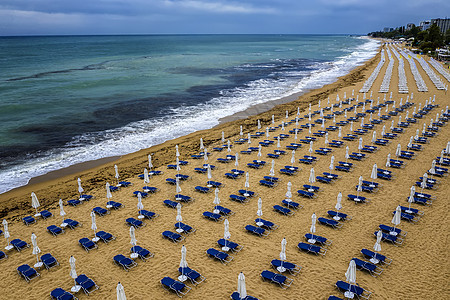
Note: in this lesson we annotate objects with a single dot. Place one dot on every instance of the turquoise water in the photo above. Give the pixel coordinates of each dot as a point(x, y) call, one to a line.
point(65, 100)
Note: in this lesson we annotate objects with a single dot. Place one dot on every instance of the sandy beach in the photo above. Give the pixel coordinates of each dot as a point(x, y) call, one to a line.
point(420, 267)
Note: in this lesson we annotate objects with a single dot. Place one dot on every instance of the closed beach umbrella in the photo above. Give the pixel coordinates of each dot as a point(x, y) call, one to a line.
point(289, 193)
point(205, 155)
point(272, 169)
point(177, 187)
point(179, 218)
point(73, 270)
point(423, 184)
point(201, 143)
point(259, 212)
point(249, 138)
point(183, 264)
point(35, 202)
point(433, 168)
point(374, 173)
point(62, 213)
point(411, 139)
point(133, 240)
point(223, 137)
point(377, 246)
point(247, 181)
point(359, 189)
point(441, 159)
point(312, 229)
point(36, 249)
point(346, 153)
point(208, 172)
point(388, 160)
point(282, 255)
point(298, 111)
point(80, 188)
point(177, 163)
point(360, 144)
point(362, 121)
point(411, 196)
point(259, 151)
point(323, 121)
point(334, 119)
point(293, 158)
point(397, 216)
point(278, 142)
point(447, 148)
point(120, 291)
point(309, 126)
point(226, 234)
point(351, 125)
point(383, 131)
point(331, 167)
point(287, 114)
point(241, 286)
point(116, 169)
point(282, 125)
point(326, 139)
point(295, 135)
point(350, 275)
point(108, 191)
point(312, 177)
point(309, 108)
point(236, 161)
point(392, 124)
point(146, 177)
point(267, 132)
point(94, 223)
point(338, 205)
point(150, 164)
point(259, 124)
point(340, 132)
point(370, 116)
point(216, 200)
point(228, 146)
point(398, 151)
point(374, 136)
point(6, 231)
point(140, 206)
point(311, 147)
point(273, 119)
point(177, 153)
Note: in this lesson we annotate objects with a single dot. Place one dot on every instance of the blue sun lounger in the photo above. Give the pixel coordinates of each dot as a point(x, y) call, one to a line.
point(324, 179)
point(148, 214)
point(125, 262)
point(134, 222)
point(240, 199)
point(283, 281)
point(49, 261)
point(237, 296)
point(214, 184)
point(144, 194)
point(175, 286)
point(318, 239)
point(186, 228)
point(72, 223)
point(87, 284)
point(45, 214)
point(306, 194)
point(420, 200)
point(143, 253)
point(292, 268)
point(283, 210)
point(219, 255)
point(412, 211)
point(172, 236)
point(358, 199)
point(247, 193)
point(267, 183)
point(334, 298)
point(266, 224)
point(212, 216)
point(409, 217)
point(114, 204)
point(100, 211)
point(170, 203)
point(291, 204)
point(74, 202)
point(394, 239)
point(55, 230)
point(195, 277)
point(312, 248)
point(224, 211)
point(202, 189)
point(232, 175)
point(330, 222)
point(259, 231)
point(342, 168)
point(19, 245)
point(3, 255)
point(389, 229)
point(373, 269)
point(171, 181)
point(183, 198)
point(60, 294)
point(232, 245)
point(340, 215)
point(106, 237)
point(28, 220)
point(373, 255)
point(357, 290)
point(27, 272)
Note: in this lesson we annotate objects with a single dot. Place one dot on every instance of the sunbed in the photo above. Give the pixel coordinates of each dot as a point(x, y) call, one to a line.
point(281, 280)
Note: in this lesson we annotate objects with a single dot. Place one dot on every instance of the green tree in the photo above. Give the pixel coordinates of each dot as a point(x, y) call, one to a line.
point(447, 36)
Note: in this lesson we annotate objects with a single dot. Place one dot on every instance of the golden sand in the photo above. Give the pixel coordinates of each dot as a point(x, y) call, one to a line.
point(420, 267)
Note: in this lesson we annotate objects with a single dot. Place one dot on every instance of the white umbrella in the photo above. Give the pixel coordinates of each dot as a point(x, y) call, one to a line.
point(216, 200)
point(346, 153)
point(289, 193)
point(236, 162)
point(282, 256)
point(183, 264)
point(311, 147)
point(312, 177)
point(377, 246)
point(272, 169)
point(295, 135)
point(298, 111)
point(359, 189)
point(345, 114)
point(334, 118)
point(249, 138)
point(350, 275)
point(282, 125)
point(150, 164)
point(441, 159)
point(62, 213)
point(278, 142)
point(374, 136)
point(177, 185)
point(392, 124)
point(340, 132)
point(398, 151)
point(273, 119)
point(36, 250)
point(351, 125)
point(267, 132)
point(35, 203)
point(208, 173)
point(73, 271)
point(374, 173)
point(94, 225)
point(223, 137)
point(80, 188)
point(331, 167)
point(309, 109)
point(259, 212)
point(120, 291)
point(242, 291)
point(309, 126)
point(383, 131)
point(228, 146)
point(423, 184)
point(293, 158)
point(338, 205)
point(323, 122)
point(140, 206)
point(287, 114)
point(226, 234)
point(360, 144)
point(411, 197)
point(201, 143)
point(370, 116)
point(6, 234)
point(177, 153)
point(312, 229)
point(433, 168)
point(326, 139)
point(179, 218)
point(388, 160)
point(116, 169)
point(259, 151)
point(259, 124)
point(247, 180)
point(146, 177)
point(205, 155)
point(108, 191)
point(362, 121)
point(447, 148)
point(396, 219)
point(178, 167)
point(133, 240)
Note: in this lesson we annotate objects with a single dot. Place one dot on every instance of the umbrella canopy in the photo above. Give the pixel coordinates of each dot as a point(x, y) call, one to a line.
point(223, 137)
point(5, 231)
point(208, 172)
point(311, 147)
point(120, 291)
point(312, 229)
point(383, 131)
point(289, 193)
point(216, 197)
point(346, 152)
point(80, 188)
point(205, 155)
point(177, 185)
point(62, 213)
point(309, 127)
point(247, 180)
point(331, 167)
point(374, 136)
point(447, 148)
point(272, 169)
point(201, 143)
point(360, 144)
point(340, 132)
point(226, 229)
point(133, 240)
point(249, 138)
point(350, 275)
point(241, 289)
point(295, 134)
point(362, 121)
point(338, 205)
point(140, 206)
point(241, 133)
point(267, 132)
point(351, 125)
point(177, 153)
point(93, 221)
point(293, 157)
point(397, 216)
point(259, 151)
point(146, 177)
point(73, 271)
point(36, 249)
point(177, 163)
point(108, 191)
point(259, 213)
point(116, 169)
point(411, 196)
point(398, 151)
point(360, 180)
point(312, 177)
point(388, 160)
point(236, 162)
point(374, 172)
point(228, 146)
point(423, 184)
point(377, 246)
point(433, 167)
point(323, 120)
point(150, 164)
point(326, 139)
point(278, 142)
point(282, 125)
point(283, 250)
point(34, 201)
point(183, 261)
point(259, 124)
point(179, 218)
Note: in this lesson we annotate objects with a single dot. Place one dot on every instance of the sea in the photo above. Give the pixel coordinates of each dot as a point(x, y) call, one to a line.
point(71, 99)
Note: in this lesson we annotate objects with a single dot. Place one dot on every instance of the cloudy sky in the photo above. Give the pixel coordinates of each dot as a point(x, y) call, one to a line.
point(42, 17)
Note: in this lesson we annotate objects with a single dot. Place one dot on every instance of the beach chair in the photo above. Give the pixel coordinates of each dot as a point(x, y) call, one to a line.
point(169, 181)
point(334, 298)
point(113, 188)
point(73, 202)
point(183, 198)
point(373, 269)
point(394, 239)
point(195, 277)
point(105, 236)
point(125, 262)
point(201, 170)
point(317, 239)
point(324, 179)
point(330, 222)
point(86, 283)
point(214, 184)
point(412, 211)
point(134, 222)
point(376, 257)
point(358, 199)
point(100, 211)
point(339, 215)
point(306, 161)
point(331, 175)
point(259, 231)
point(232, 245)
point(420, 200)
point(367, 189)
point(292, 268)
point(72, 223)
point(28, 220)
point(170, 203)
point(232, 175)
point(148, 214)
point(342, 168)
point(355, 289)
point(150, 189)
point(55, 230)
point(49, 261)
point(267, 183)
point(409, 217)
point(60, 294)
point(175, 286)
point(87, 244)
point(186, 228)
point(202, 189)
point(212, 216)
point(45, 214)
point(288, 172)
point(19, 245)
point(392, 230)
point(247, 193)
point(291, 204)
point(237, 296)
point(172, 236)
point(124, 183)
point(266, 224)
point(3, 255)
point(182, 177)
point(219, 255)
point(283, 210)
point(312, 248)
point(27, 272)
point(223, 210)
point(237, 198)
point(143, 253)
point(283, 281)
point(113, 204)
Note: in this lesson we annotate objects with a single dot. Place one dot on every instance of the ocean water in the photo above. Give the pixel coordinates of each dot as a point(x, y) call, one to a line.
point(65, 100)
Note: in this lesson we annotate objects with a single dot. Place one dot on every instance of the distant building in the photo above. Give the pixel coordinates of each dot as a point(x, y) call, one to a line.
point(424, 25)
point(409, 26)
point(443, 24)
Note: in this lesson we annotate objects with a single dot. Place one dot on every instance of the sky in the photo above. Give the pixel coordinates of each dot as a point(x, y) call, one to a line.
point(69, 17)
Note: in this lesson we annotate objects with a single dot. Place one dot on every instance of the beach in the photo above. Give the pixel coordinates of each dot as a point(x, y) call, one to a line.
point(420, 267)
